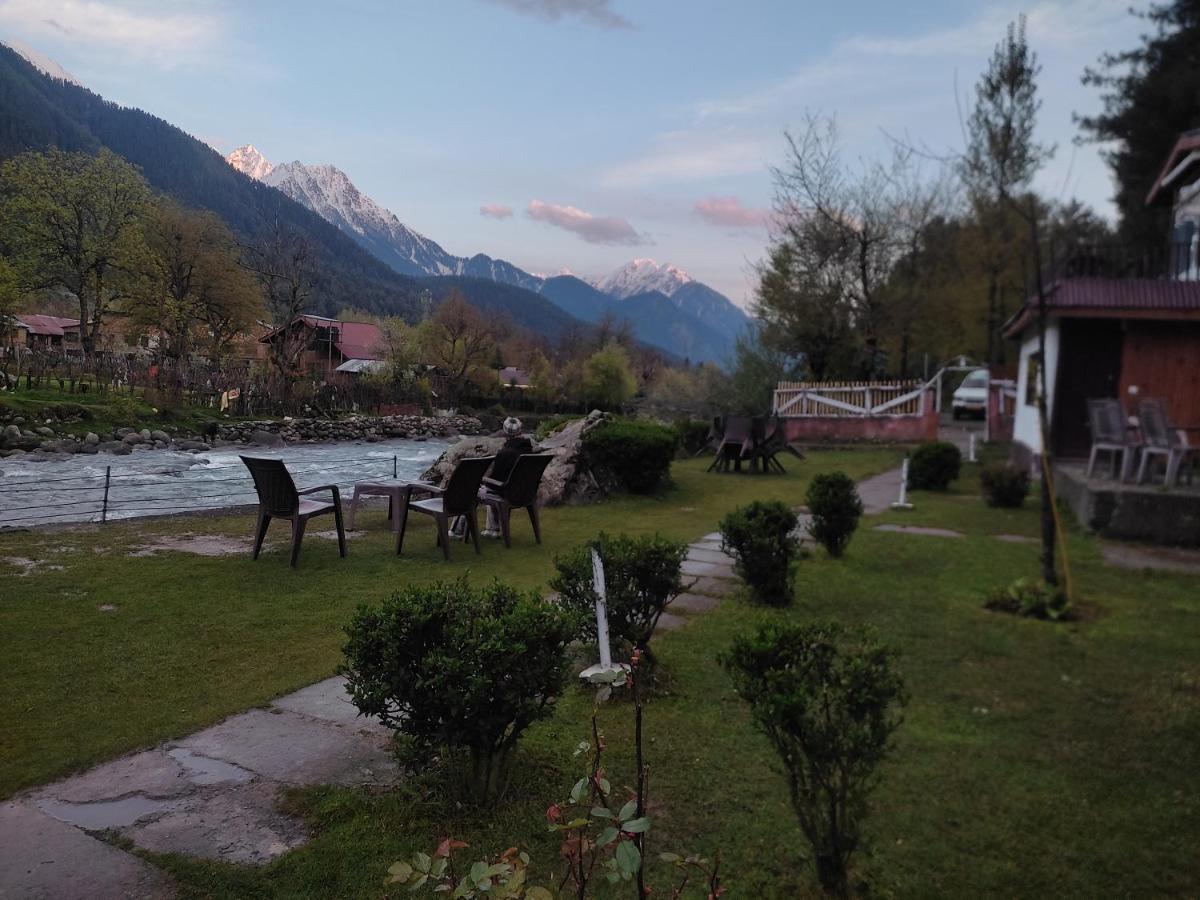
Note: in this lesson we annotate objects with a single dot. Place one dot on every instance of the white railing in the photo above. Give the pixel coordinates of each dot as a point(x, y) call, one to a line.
point(850, 398)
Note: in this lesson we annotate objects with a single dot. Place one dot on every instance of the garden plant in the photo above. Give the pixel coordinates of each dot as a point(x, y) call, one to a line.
point(828, 701)
point(933, 466)
point(459, 672)
point(836, 508)
point(762, 539)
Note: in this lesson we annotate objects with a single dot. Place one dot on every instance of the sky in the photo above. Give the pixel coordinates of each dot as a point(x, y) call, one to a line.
point(578, 134)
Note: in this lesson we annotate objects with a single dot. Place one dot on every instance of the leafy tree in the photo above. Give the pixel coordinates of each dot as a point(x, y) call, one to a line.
point(286, 271)
point(10, 294)
point(758, 367)
point(197, 282)
point(541, 377)
point(1151, 95)
point(608, 379)
point(828, 700)
point(75, 222)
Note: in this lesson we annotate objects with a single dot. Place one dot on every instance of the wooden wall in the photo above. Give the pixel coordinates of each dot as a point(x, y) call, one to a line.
point(1162, 359)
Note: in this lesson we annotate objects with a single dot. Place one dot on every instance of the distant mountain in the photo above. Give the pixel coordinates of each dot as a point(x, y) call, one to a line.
point(701, 325)
point(641, 276)
point(329, 192)
point(655, 318)
point(42, 63)
point(38, 112)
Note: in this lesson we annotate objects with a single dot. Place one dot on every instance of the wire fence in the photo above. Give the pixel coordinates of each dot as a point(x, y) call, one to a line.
point(100, 497)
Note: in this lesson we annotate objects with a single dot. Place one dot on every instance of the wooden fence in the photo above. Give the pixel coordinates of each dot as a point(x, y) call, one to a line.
point(849, 398)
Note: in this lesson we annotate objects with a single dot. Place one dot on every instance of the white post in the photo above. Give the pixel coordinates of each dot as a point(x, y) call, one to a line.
point(605, 670)
point(971, 452)
point(903, 503)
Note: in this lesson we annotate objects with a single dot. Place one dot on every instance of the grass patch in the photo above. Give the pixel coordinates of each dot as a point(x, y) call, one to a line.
point(1035, 759)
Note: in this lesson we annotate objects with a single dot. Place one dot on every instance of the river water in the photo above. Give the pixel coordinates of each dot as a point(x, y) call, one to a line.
point(70, 487)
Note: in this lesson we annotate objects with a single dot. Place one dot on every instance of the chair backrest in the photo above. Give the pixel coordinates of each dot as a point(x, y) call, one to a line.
point(273, 482)
point(1105, 425)
point(1156, 431)
point(737, 429)
point(522, 486)
point(462, 490)
point(775, 434)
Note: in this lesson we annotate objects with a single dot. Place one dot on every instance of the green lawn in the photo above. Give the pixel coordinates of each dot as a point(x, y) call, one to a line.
point(1035, 759)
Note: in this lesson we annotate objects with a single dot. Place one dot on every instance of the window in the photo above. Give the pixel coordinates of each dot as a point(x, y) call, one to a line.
point(1033, 366)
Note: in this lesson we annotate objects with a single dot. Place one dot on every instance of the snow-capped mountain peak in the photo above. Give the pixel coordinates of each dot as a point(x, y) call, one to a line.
point(249, 161)
point(640, 276)
point(42, 63)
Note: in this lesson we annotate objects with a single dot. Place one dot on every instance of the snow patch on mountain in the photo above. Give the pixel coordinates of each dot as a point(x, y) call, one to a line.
point(42, 63)
point(642, 276)
point(249, 161)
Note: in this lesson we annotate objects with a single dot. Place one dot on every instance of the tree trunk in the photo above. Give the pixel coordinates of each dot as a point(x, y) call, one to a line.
point(831, 873)
point(1049, 573)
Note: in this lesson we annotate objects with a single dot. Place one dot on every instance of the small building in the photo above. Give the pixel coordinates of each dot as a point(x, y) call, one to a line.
point(327, 343)
point(46, 333)
point(514, 377)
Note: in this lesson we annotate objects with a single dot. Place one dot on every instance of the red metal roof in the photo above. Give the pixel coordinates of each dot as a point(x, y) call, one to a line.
point(1188, 141)
point(51, 325)
point(360, 340)
point(1161, 298)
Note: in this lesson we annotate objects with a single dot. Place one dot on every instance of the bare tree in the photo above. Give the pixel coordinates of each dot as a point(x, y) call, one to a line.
point(283, 264)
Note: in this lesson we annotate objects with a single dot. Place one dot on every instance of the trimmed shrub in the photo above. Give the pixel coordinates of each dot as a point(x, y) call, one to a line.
point(642, 575)
point(828, 700)
point(933, 466)
point(1004, 485)
point(693, 434)
point(835, 507)
point(761, 538)
point(460, 672)
point(1032, 598)
point(637, 455)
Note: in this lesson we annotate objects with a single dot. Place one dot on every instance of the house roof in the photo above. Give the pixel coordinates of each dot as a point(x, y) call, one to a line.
point(1114, 298)
point(357, 366)
point(48, 325)
point(1183, 156)
point(356, 340)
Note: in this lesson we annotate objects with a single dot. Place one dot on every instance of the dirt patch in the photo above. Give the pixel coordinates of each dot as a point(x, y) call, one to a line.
point(26, 567)
point(199, 544)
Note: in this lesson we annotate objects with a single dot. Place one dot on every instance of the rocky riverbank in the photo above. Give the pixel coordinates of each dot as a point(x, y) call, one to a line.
point(21, 438)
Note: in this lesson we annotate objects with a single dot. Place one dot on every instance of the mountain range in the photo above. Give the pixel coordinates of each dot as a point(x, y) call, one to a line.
point(662, 303)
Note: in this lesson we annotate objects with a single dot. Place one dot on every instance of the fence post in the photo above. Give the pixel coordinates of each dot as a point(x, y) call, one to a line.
point(394, 465)
point(104, 505)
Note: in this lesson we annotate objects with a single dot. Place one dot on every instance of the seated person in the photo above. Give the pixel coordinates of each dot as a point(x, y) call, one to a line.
point(516, 443)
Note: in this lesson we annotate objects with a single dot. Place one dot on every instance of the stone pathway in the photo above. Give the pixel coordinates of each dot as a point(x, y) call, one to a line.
point(213, 794)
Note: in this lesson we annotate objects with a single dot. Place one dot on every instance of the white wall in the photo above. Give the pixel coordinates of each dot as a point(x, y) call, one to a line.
point(1026, 429)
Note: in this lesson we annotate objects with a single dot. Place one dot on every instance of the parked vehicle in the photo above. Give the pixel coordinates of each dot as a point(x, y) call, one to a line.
point(970, 398)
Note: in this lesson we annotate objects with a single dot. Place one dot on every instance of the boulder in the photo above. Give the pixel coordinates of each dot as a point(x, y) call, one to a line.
point(158, 435)
point(117, 448)
point(89, 449)
point(145, 433)
point(191, 445)
point(45, 432)
point(11, 432)
point(567, 479)
point(265, 438)
point(132, 438)
point(91, 438)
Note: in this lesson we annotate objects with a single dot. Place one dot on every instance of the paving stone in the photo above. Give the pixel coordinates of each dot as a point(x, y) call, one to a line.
point(920, 529)
point(293, 748)
point(713, 587)
point(695, 603)
point(707, 569)
point(43, 859)
point(879, 492)
point(240, 824)
point(668, 622)
point(704, 555)
point(712, 536)
point(151, 772)
point(328, 700)
point(1015, 538)
point(102, 815)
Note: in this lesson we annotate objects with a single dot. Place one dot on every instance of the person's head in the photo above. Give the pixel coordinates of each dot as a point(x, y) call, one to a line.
point(512, 426)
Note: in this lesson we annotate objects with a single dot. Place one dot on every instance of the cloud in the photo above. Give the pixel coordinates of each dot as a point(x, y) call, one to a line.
point(693, 155)
point(593, 229)
point(728, 212)
point(594, 12)
point(496, 211)
point(146, 34)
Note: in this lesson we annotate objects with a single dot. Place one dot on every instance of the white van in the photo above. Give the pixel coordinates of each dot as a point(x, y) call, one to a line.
point(970, 398)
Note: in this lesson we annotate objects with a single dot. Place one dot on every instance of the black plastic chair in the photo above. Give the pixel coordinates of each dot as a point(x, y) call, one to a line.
point(279, 499)
point(460, 497)
point(735, 444)
point(519, 491)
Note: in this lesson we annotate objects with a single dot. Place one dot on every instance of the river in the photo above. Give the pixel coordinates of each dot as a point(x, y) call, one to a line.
point(70, 487)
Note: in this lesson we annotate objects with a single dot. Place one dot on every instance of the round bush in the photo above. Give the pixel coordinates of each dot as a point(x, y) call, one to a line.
point(460, 671)
point(933, 466)
point(642, 575)
point(1004, 485)
point(835, 507)
point(761, 538)
point(638, 455)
